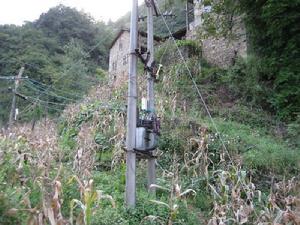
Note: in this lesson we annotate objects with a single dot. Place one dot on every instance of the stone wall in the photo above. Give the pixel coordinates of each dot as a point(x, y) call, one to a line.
point(119, 57)
point(119, 60)
point(221, 52)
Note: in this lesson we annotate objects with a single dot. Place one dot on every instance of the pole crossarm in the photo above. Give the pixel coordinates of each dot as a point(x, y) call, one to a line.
point(13, 78)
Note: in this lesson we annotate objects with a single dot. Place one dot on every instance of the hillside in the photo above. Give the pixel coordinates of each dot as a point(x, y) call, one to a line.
point(228, 153)
point(83, 153)
point(64, 49)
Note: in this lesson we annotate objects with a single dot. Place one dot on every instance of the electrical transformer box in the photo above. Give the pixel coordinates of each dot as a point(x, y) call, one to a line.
point(144, 140)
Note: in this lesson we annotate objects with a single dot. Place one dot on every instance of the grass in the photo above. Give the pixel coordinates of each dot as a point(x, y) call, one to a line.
point(260, 151)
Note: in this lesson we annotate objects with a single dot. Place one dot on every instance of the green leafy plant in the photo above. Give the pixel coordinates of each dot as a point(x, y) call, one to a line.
point(175, 196)
point(88, 203)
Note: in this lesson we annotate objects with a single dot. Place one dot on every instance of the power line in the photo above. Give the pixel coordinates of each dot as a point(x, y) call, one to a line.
point(39, 100)
point(26, 109)
point(36, 88)
point(41, 103)
point(47, 87)
point(55, 89)
point(12, 78)
point(82, 84)
point(65, 72)
point(93, 48)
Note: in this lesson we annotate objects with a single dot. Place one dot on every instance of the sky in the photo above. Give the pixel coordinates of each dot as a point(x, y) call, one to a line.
point(18, 11)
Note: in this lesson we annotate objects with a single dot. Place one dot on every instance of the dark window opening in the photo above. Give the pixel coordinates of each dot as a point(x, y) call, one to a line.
point(125, 59)
point(114, 66)
point(207, 9)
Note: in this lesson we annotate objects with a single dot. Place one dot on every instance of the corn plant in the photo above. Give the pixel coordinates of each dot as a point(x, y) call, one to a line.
point(283, 204)
point(175, 195)
point(234, 197)
point(237, 200)
point(88, 202)
point(48, 211)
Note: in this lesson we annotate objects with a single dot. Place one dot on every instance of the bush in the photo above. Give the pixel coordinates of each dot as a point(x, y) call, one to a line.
point(293, 133)
point(244, 82)
point(107, 216)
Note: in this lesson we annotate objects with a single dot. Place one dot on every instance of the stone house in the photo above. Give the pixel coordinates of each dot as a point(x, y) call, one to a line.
point(119, 55)
point(218, 51)
point(221, 52)
point(119, 58)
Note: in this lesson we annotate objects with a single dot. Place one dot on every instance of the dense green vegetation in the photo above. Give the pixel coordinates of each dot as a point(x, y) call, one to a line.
point(71, 170)
point(64, 49)
point(272, 68)
point(275, 37)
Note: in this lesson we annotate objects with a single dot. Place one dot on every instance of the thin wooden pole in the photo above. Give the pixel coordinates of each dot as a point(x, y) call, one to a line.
point(130, 197)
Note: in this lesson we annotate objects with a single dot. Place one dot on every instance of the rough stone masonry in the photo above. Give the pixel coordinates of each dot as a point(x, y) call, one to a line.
point(221, 51)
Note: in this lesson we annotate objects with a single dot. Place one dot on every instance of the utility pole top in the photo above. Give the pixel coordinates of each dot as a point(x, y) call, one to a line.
point(151, 3)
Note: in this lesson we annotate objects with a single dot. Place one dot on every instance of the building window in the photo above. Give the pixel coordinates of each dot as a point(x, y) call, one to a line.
point(120, 45)
point(207, 9)
point(125, 59)
point(114, 66)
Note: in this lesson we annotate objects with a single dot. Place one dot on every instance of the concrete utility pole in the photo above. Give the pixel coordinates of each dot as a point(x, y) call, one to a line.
point(13, 105)
point(132, 111)
point(150, 85)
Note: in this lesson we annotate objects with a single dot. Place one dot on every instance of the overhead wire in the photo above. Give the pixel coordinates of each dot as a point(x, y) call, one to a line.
point(66, 72)
point(27, 108)
point(194, 83)
point(43, 105)
point(39, 100)
point(78, 61)
point(33, 103)
point(36, 88)
point(53, 88)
